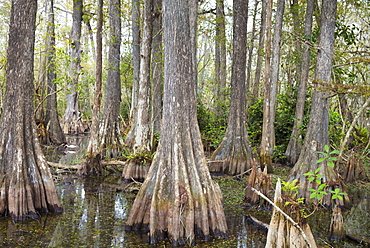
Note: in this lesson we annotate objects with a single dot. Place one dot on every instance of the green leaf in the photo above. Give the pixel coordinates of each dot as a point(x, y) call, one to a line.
point(317, 170)
point(322, 186)
point(320, 160)
point(318, 181)
point(343, 193)
point(308, 174)
point(313, 195)
point(312, 190)
point(319, 197)
point(326, 148)
point(331, 164)
point(310, 179)
point(334, 152)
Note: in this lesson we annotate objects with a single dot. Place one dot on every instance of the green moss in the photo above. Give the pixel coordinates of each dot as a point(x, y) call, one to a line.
point(233, 190)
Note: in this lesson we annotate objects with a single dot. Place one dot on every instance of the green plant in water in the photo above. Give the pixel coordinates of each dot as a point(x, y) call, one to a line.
point(315, 176)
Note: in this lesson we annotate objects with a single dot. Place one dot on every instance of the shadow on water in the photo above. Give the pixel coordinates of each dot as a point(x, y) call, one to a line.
point(95, 216)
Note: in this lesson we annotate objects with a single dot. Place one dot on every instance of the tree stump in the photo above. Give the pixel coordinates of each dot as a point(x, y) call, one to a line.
point(283, 233)
point(354, 169)
point(337, 232)
point(259, 180)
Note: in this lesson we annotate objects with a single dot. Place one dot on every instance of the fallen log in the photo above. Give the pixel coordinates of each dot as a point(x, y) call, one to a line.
point(65, 167)
point(254, 221)
point(358, 239)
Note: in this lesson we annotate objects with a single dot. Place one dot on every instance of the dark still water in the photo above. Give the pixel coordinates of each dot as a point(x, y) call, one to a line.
point(95, 213)
point(95, 216)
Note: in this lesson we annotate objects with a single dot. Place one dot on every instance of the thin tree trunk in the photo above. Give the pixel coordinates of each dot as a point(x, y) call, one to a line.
point(317, 131)
point(53, 127)
point(178, 198)
point(142, 126)
point(234, 154)
point(295, 142)
point(136, 70)
point(72, 114)
point(157, 73)
point(139, 134)
point(250, 51)
point(26, 185)
point(220, 54)
point(271, 82)
point(261, 47)
point(111, 140)
point(92, 165)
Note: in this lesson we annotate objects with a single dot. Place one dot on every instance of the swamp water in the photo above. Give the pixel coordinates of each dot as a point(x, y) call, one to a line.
point(95, 214)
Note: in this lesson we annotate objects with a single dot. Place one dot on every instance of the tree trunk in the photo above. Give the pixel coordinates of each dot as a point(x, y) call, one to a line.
point(220, 54)
point(111, 141)
point(92, 166)
point(139, 134)
point(234, 154)
point(72, 120)
point(294, 146)
point(157, 74)
point(141, 140)
point(317, 131)
point(26, 187)
point(271, 82)
point(136, 68)
point(250, 52)
point(260, 52)
point(53, 127)
point(178, 198)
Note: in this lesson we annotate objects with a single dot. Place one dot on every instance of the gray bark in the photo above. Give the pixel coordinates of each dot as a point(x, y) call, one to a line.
point(135, 15)
point(53, 127)
point(220, 52)
point(271, 81)
point(72, 120)
point(317, 131)
point(92, 165)
point(234, 154)
point(142, 125)
point(157, 72)
point(178, 199)
point(111, 137)
point(261, 47)
point(295, 142)
point(26, 185)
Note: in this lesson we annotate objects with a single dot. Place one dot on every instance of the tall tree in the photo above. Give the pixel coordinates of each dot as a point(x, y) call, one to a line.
point(138, 137)
point(26, 187)
point(92, 165)
point(111, 141)
point(157, 72)
point(72, 120)
point(234, 154)
point(317, 131)
point(54, 129)
point(271, 82)
point(135, 27)
point(141, 141)
point(178, 198)
point(251, 48)
point(220, 51)
point(260, 52)
point(294, 146)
